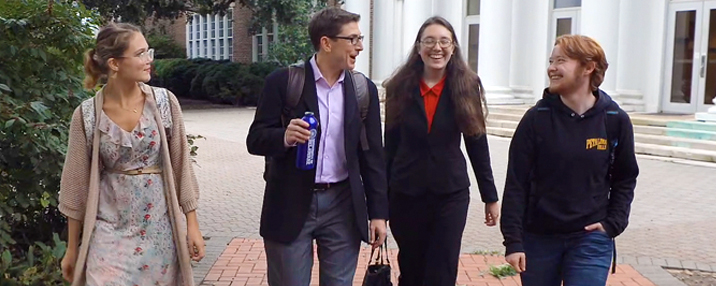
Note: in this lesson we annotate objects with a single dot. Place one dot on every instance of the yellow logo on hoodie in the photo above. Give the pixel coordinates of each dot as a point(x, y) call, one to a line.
point(599, 143)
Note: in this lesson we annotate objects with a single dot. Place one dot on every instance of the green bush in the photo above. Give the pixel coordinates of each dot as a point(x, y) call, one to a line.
point(216, 81)
point(38, 267)
point(41, 51)
point(196, 90)
point(165, 47)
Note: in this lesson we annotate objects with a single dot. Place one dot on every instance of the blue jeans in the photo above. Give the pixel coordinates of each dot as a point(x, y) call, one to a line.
point(581, 259)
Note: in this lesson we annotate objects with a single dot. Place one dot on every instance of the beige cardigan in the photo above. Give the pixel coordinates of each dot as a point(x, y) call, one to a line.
point(79, 187)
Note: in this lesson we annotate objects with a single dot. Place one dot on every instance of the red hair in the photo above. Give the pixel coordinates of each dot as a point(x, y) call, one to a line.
point(585, 50)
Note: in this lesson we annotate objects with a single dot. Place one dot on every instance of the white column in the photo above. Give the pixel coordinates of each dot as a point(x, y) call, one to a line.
point(522, 59)
point(383, 44)
point(494, 54)
point(600, 21)
point(452, 10)
point(542, 46)
point(362, 7)
point(188, 34)
point(415, 12)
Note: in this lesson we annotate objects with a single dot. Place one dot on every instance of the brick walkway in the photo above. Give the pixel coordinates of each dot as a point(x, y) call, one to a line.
point(244, 263)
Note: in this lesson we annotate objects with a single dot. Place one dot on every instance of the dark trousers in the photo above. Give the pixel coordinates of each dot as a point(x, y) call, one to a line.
point(428, 230)
point(578, 259)
point(331, 222)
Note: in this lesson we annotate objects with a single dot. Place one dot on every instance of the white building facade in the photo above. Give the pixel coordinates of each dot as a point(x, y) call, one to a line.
point(661, 53)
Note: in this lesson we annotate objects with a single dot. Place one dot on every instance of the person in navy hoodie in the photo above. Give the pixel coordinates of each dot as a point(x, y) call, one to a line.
point(571, 174)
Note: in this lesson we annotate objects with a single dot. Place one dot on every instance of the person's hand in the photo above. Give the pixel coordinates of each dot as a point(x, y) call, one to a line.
point(518, 261)
point(378, 232)
point(68, 264)
point(595, 226)
point(197, 247)
point(492, 214)
point(296, 132)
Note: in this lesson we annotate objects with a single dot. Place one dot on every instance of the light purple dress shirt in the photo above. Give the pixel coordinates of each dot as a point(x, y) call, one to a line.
point(331, 163)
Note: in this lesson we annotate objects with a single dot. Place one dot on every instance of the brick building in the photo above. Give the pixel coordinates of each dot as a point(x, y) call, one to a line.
point(224, 37)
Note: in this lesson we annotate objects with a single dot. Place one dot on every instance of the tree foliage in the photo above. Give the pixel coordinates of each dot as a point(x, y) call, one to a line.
point(265, 12)
point(41, 48)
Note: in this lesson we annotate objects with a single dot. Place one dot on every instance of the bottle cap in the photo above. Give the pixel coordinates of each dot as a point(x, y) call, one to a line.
point(308, 113)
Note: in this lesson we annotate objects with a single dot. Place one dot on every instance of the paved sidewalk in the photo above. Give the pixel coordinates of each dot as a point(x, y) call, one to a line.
point(243, 263)
point(671, 220)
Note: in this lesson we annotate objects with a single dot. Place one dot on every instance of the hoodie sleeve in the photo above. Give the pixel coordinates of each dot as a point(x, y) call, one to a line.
point(624, 173)
point(517, 185)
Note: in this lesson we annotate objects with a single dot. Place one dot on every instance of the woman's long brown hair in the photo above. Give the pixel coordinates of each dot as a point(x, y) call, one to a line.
point(466, 90)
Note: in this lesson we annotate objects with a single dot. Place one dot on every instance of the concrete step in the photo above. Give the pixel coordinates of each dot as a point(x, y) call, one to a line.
point(673, 132)
point(675, 152)
point(692, 125)
point(675, 142)
point(508, 124)
point(508, 109)
point(502, 132)
point(505, 101)
point(495, 115)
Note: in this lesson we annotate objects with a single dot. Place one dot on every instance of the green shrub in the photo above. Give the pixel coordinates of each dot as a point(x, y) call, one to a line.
point(196, 90)
point(165, 47)
point(41, 51)
point(216, 81)
point(38, 267)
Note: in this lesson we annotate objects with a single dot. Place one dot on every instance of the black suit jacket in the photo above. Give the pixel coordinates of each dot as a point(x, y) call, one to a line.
point(288, 192)
point(420, 162)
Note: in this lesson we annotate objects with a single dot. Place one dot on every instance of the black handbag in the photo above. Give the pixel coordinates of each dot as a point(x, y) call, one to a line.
point(378, 273)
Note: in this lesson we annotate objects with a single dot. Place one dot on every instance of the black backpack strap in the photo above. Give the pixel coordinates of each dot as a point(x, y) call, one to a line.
point(542, 122)
point(360, 88)
point(611, 121)
point(613, 127)
point(294, 90)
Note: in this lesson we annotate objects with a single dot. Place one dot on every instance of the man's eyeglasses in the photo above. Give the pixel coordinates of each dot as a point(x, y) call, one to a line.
point(430, 43)
point(147, 55)
point(354, 40)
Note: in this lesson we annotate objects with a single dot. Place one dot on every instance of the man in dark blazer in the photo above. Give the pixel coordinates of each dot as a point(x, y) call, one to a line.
point(333, 202)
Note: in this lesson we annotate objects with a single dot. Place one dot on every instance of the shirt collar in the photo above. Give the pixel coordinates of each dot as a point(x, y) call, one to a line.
point(317, 72)
point(437, 89)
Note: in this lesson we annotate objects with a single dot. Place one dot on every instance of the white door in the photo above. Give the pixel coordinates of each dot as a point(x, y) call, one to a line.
point(690, 70)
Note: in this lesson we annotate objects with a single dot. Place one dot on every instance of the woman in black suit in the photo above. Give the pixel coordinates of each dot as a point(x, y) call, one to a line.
point(432, 100)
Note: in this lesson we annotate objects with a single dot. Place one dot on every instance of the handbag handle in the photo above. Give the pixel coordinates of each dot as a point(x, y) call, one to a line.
point(381, 259)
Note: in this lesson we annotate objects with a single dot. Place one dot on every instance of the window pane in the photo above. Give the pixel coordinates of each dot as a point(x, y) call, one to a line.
point(213, 47)
point(711, 61)
point(206, 30)
point(564, 26)
point(221, 27)
point(197, 28)
point(473, 7)
point(191, 49)
point(231, 47)
point(473, 46)
point(567, 3)
point(206, 48)
point(683, 61)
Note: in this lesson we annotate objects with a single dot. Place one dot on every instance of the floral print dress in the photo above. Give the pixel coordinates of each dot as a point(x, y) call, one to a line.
point(132, 243)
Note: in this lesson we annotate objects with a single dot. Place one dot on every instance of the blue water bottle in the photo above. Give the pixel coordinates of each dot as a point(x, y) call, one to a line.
point(306, 155)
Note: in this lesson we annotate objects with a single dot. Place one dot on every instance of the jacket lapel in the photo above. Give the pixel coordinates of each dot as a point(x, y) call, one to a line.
point(442, 111)
point(423, 117)
point(310, 95)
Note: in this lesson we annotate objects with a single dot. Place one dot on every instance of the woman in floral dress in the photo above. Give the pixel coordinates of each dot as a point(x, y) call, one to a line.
point(137, 199)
